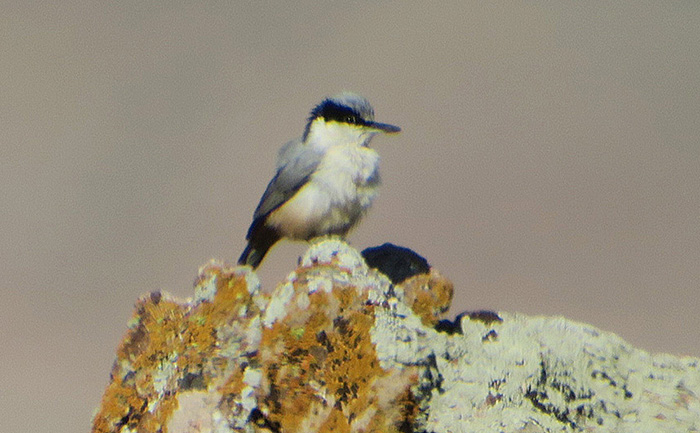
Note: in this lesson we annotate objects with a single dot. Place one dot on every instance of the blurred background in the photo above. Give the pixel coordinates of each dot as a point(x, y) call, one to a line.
point(549, 162)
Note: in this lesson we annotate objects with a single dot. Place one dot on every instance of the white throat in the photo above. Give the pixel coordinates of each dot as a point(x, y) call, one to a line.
point(324, 135)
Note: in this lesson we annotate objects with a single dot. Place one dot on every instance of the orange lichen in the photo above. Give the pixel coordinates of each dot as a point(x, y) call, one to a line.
point(320, 366)
point(312, 367)
point(118, 403)
point(429, 296)
point(171, 345)
point(234, 384)
point(336, 422)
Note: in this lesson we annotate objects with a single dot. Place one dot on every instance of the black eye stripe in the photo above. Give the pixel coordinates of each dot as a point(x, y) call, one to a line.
point(329, 110)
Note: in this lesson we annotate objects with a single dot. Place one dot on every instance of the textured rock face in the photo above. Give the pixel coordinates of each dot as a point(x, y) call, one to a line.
point(338, 347)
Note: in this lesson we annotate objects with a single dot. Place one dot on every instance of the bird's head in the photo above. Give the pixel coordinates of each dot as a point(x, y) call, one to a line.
point(344, 118)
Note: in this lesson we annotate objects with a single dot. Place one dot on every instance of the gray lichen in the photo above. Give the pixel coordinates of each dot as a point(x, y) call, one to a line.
point(338, 347)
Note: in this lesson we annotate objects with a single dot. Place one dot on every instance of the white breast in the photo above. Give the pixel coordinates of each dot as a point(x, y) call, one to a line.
point(335, 198)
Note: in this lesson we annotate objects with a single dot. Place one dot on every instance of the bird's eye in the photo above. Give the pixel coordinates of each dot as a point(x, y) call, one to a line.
point(351, 120)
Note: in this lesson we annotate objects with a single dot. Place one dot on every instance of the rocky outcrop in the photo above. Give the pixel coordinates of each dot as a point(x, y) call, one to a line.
point(338, 347)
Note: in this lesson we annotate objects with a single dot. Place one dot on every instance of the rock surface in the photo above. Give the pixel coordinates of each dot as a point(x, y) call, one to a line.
point(338, 347)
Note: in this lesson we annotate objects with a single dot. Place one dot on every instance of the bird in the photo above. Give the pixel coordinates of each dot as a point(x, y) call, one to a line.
point(325, 180)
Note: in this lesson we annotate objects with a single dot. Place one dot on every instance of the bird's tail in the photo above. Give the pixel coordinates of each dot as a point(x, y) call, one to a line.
point(260, 239)
point(253, 255)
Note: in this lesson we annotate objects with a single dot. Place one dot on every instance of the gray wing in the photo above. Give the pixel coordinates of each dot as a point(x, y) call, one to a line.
point(296, 163)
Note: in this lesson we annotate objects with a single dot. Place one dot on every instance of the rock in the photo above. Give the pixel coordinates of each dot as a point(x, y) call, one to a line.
point(338, 347)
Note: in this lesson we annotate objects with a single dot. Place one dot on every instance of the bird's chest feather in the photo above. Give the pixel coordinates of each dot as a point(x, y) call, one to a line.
point(348, 173)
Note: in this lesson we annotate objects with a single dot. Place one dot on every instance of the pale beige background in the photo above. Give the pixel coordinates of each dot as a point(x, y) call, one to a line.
point(549, 164)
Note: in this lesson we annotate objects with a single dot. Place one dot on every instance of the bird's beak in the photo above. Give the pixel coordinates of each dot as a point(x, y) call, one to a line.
point(385, 127)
